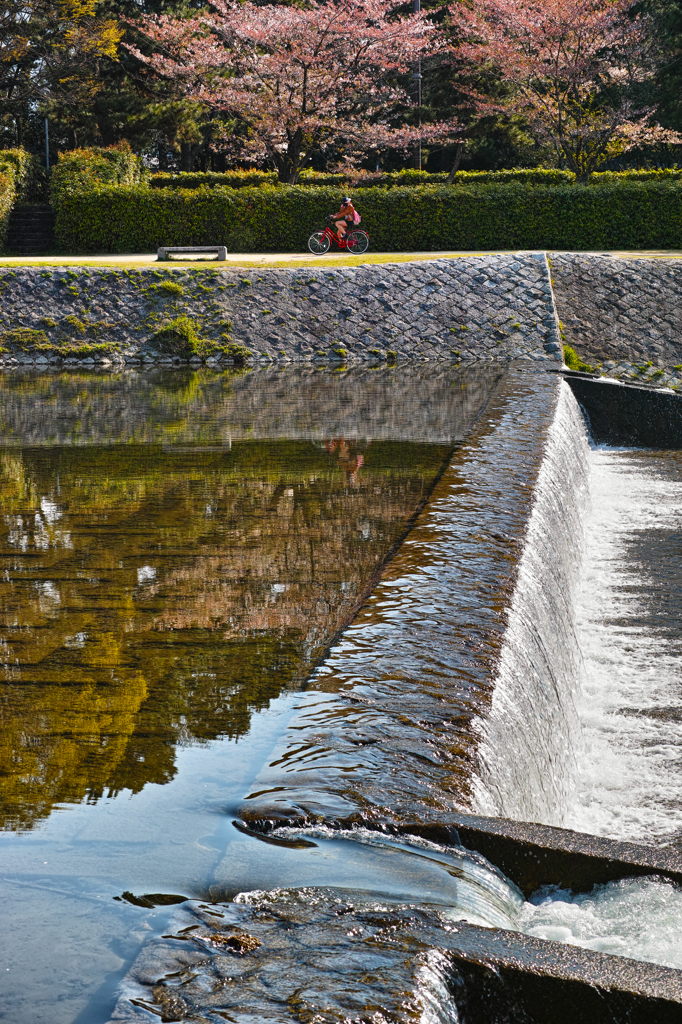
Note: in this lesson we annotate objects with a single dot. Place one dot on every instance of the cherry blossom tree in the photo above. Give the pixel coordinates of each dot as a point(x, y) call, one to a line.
point(293, 80)
point(573, 68)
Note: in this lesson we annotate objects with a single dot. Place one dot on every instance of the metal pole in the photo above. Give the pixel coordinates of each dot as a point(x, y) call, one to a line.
point(47, 141)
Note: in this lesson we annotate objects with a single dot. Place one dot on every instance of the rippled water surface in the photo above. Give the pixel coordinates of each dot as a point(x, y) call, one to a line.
point(177, 553)
point(237, 607)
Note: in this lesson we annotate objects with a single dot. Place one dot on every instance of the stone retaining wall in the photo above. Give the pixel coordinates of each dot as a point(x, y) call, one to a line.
point(495, 307)
point(622, 314)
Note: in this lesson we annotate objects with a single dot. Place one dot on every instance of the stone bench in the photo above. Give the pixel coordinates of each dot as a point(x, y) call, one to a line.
point(165, 252)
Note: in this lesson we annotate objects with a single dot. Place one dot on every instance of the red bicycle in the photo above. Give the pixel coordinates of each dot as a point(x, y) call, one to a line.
point(355, 242)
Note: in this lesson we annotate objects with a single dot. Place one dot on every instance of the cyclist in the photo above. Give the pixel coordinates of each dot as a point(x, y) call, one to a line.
point(345, 217)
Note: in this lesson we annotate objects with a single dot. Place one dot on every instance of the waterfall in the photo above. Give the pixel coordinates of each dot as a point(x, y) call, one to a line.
point(628, 612)
point(530, 740)
point(585, 730)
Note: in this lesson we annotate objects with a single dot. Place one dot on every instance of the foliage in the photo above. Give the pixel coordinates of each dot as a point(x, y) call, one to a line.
point(574, 67)
point(297, 80)
point(180, 337)
point(50, 51)
point(21, 165)
point(16, 175)
point(7, 196)
point(574, 362)
point(242, 179)
point(622, 214)
point(81, 168)
point(648, 174)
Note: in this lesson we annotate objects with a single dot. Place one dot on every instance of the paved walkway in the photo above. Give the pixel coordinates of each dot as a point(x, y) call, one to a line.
point(335, 259)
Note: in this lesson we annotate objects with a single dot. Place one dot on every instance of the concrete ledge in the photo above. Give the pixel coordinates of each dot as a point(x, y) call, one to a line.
point(534, 855)
point(624, 414)
point(500, 977)
point(529, 854)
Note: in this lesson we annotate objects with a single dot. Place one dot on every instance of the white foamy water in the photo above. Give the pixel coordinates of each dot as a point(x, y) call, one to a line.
point(629, 779)
point(636, 917)
point(585, 729)
point(530, 739)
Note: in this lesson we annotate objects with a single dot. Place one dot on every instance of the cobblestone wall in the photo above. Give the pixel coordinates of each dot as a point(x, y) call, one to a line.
point(487, 307)
point(624, 315)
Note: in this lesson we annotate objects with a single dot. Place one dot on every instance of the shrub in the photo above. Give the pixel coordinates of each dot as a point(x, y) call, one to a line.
point(361, 179)
point(17, 171)
point(231, 179)
point(7, 197)
point(180, 337)
point(83, 168)
point(615, 215)
point(662, 174)
point(22, 166)
point(573, 361)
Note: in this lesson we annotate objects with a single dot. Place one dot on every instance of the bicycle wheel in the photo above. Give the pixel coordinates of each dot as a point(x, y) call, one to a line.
point(319, 243)
point(357, 242)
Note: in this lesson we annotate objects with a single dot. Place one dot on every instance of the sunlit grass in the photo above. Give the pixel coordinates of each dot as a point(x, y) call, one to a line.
point(294, 260)
point(247, 260)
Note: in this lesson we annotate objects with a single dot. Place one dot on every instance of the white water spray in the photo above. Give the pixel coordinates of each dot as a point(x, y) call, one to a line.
point(530, 740)
point(584, 730)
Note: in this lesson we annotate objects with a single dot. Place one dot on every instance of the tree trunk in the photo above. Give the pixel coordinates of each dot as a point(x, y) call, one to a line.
point(459, 149)
point(188, 153)
point(163, 156)
point(288, 169)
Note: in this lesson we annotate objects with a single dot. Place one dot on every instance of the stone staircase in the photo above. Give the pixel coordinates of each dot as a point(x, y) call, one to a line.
point(31, 230)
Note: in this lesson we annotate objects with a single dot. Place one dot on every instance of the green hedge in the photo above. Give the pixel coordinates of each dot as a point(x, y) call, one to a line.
point(616, 215)
point(244, 179)
point(16, 173)
point(7, 196)
point(21, 166)
point(80, 169)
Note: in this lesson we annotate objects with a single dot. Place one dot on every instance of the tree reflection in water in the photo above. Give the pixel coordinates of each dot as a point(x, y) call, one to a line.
point(153, 596)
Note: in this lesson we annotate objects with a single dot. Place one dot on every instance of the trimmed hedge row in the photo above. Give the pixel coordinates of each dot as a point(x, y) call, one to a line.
point(80, 169)
point(16, 170)
point(8, 194)
point(532, 176)
point(388, 179)
point(617, 215)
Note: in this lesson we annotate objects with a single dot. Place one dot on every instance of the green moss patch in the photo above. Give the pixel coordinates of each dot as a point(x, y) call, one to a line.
point(574, 362)
point(24, 338)
point(180, 337)
point(169, 288)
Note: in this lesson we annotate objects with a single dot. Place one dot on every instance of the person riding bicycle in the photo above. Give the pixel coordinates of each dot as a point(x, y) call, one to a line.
point(345, 218)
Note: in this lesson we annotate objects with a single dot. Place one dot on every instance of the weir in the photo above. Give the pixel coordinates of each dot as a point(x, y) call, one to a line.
point(436, 701)
point(449, 795)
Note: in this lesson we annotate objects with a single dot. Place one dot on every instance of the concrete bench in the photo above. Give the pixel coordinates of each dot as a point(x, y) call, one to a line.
point(166, 251)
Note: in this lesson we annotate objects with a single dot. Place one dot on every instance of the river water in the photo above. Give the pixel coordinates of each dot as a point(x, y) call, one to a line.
point(294, 596)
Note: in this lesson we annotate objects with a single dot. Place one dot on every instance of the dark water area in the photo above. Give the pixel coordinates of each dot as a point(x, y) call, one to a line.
point(178, 552)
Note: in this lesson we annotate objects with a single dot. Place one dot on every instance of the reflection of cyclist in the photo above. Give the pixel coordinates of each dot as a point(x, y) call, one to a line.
point(351, 460)
point(345, 217)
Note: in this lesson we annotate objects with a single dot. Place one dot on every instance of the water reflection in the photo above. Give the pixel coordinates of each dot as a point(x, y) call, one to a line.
point(159, 593)
point(149, 598)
